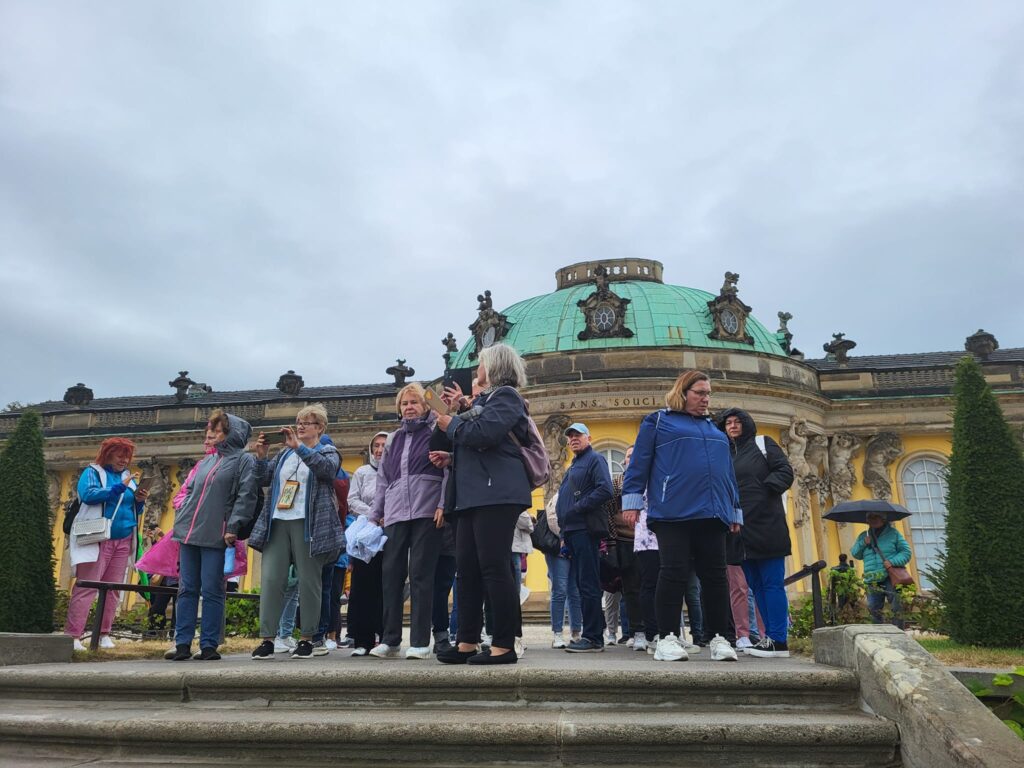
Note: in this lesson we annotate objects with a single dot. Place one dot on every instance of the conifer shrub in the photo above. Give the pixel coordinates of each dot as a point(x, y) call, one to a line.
point(980, 576)
point(27, 591)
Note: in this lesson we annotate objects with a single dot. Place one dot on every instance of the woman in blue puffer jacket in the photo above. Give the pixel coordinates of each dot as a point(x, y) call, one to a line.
point(682, 465)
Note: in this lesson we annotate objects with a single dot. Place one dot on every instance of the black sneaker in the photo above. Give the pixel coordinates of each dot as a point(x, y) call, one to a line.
point(769, 649)
point(207, 654)
point(181, 653)
point(454, 656)
point(584, 645)
point(440, 646)
point(264, 650)
point(304, 650)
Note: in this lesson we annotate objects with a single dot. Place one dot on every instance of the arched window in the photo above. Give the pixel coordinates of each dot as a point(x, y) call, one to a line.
point(924, 490)
point(615, 459)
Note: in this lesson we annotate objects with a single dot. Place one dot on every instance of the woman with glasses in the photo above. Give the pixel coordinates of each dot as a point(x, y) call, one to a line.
point(298, 526)
point(682, 466)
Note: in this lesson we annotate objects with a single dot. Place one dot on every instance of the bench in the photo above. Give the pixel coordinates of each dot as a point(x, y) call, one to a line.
point(106, 586)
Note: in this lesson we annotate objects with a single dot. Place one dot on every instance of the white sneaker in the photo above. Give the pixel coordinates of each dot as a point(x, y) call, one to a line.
point(76, 645)
point(652, 645)
point(692, 649)
point(640, 643)
point(670, 649)
point(284, 644)
point(384, 651)
point(721, 650)
point(631, 642)
point(743, 643)
point(519, 647)
point(575, 636)
point(557, 640)
point(609, 638)
point(330, 645)
point(414, 653)
point(107, 642)
point(359, 652)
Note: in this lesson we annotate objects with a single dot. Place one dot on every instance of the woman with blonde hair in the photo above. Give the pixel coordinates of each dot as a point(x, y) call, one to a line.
point(298, 526)
point(409, 503)
point(682, 467)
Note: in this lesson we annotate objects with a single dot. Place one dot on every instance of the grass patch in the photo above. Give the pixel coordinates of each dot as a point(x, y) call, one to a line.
point(128, 650)
point(956, 654)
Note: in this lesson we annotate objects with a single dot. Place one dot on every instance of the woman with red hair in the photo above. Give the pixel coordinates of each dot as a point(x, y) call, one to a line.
point(107, 484)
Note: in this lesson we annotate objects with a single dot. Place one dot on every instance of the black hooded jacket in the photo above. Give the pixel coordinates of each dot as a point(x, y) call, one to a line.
point(762, 481)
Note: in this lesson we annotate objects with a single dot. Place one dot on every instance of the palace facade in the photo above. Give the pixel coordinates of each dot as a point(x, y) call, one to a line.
point(603, 348)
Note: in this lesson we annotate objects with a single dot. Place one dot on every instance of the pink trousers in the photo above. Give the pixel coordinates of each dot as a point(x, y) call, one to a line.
point(109, 566)
point(738, 601)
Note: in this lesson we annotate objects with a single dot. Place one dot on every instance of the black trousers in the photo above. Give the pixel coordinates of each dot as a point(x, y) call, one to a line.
point(629, 570)
point(412, 548)
point(483, 546)
point(650, 565)
point(366, 602)
point(702, 543)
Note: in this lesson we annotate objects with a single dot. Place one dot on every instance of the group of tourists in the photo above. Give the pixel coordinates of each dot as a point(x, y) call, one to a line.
point(697, 518)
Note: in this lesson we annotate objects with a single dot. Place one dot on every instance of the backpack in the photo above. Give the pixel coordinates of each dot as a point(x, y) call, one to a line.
point(532, 451)
point(759, 439)
point(74, 505)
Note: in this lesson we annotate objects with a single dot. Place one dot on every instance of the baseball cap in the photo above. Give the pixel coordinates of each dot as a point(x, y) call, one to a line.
point(577, 427)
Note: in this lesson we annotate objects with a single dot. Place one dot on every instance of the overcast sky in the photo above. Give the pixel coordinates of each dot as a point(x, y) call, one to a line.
point(239, 188)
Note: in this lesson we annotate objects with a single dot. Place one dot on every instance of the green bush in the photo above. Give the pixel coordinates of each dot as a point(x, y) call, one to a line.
point(979, 579)
point(1009, 709)
point(26, 547)
point(242, 618)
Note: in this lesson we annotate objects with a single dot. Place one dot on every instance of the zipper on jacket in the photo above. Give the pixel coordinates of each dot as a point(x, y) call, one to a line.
point(664, 487)
point(202, 494)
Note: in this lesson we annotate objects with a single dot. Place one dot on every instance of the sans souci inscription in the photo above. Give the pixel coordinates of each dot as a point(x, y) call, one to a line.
point(624, 401)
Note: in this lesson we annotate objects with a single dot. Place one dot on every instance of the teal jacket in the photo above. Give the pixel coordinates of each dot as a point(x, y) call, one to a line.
point(890, 543)
point(91, 491)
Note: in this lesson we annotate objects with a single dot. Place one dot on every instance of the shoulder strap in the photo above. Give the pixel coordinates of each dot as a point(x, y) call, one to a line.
point(759, 439)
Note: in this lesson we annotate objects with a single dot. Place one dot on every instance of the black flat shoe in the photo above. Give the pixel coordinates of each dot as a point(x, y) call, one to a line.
point(454, 656)
point(509, 657)
point(207, 654)
point(181, 653)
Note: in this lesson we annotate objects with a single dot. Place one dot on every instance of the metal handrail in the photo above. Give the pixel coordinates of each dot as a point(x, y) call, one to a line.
point(812, 570)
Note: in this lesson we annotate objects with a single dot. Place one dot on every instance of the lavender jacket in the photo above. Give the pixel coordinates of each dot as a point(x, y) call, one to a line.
point(409, 487)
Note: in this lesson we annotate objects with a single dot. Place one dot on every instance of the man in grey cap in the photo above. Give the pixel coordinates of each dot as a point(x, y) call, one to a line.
point(585, 488)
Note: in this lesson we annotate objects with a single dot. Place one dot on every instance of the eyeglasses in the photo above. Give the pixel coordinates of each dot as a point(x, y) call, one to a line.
point(305, 423)
point(701, 392)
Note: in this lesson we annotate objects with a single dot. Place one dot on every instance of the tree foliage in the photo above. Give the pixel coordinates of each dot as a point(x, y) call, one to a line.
point(26, 547)
point(980, 577)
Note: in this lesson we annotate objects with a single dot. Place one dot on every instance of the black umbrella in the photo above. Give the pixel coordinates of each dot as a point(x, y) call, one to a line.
point(857, 511)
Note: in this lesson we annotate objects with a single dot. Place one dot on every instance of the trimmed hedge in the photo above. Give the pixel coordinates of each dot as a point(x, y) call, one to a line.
point(980, 577)
point(26, 547)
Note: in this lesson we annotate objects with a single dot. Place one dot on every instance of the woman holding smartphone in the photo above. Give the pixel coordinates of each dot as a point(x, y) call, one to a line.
point(298, 525)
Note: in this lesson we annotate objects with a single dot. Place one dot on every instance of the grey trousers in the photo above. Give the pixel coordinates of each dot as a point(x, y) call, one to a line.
point(412, 548)
point(287, 545)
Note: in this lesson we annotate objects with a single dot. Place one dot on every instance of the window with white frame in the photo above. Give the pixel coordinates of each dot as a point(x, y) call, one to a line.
point(924, 490)
point(616, 460)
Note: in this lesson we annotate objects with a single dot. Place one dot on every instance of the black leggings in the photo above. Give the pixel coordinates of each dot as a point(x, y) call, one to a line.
point(701, 542)
point(366, 602)
point(483, 547)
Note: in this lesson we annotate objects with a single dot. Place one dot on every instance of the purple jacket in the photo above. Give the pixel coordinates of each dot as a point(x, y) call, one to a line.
point(409, 487)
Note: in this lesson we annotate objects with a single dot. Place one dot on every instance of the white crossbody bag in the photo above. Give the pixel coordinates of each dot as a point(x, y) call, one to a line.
point(90, 526)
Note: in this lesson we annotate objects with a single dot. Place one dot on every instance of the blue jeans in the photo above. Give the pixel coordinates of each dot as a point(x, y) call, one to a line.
point(286, 627)
point(563, 591)
point(585, 570)
point(877, 594)
point(765, 577)
point(694, 610)
point(755, 632)
point(202, 572)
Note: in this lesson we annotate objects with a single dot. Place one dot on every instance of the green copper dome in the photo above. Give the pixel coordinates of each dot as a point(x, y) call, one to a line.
point(659, 315)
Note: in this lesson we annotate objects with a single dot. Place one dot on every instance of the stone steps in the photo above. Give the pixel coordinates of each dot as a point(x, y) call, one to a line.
point(552, 709)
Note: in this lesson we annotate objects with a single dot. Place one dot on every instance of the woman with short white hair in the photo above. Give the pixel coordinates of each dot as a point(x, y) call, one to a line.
point(491, 490)
point(298, 525)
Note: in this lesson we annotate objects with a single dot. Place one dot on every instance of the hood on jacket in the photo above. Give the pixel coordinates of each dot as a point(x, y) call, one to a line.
point(239, 433)
point(426, 420)
point(749, 427)
point(369, 448)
